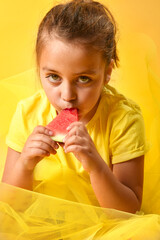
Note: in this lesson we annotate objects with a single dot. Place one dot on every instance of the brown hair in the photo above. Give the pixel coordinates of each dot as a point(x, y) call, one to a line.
point(85, 21)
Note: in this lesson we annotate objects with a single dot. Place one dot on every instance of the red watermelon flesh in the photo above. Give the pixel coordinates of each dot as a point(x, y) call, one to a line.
point(59, 124)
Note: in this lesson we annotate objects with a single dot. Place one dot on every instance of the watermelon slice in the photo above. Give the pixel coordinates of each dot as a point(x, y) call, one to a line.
point(59, 124)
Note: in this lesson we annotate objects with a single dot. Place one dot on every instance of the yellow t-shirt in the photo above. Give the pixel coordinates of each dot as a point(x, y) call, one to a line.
point(117, 130)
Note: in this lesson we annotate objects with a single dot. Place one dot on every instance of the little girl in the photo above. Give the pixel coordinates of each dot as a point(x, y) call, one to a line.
point(101, 160)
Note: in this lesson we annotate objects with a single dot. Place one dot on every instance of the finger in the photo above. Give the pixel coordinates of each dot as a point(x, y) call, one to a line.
point(74, 124)
point(38, 152)
point(42, 130)
point(76, 130)
point(74, 140)
point(74, 148)
point(45, 139)
point(43, 146)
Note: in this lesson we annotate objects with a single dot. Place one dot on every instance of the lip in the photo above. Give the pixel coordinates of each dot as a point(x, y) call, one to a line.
point(71, 109)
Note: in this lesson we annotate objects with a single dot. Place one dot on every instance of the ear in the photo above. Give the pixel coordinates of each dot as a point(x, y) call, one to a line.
point(108, 71)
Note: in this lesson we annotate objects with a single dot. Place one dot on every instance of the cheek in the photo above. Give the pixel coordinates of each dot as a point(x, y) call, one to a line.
point(90, 97)
point(49, 90)
point(52, 94)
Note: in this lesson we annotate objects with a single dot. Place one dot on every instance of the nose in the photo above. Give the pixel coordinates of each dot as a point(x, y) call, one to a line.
point(68, 92)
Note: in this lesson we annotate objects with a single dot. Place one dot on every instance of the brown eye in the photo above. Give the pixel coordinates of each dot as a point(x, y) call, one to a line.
point(84, 79)
point(53, 78)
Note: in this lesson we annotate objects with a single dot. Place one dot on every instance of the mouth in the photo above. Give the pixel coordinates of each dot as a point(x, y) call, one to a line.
point(72, 109)
point(68, 108)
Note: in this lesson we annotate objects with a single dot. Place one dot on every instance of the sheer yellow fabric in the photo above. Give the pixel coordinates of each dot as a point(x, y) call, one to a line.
point(26, 215)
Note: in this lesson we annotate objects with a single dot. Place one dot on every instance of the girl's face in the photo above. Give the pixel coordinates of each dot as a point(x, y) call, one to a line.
point(72, 76)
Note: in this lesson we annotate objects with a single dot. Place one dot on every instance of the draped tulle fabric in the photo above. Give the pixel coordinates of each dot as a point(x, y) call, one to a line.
point(26, 215)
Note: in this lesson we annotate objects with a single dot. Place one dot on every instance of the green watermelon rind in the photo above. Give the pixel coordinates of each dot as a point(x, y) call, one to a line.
point(58, 138)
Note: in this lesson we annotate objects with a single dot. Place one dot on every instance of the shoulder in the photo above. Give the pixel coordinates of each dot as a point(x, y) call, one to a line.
point(119, 106)
point(33, 101)
point(35, 110)
point(126, 127)
point(115, 108)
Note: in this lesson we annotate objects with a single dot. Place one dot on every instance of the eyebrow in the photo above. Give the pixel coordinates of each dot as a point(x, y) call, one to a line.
point(49, 69)
point(84, 72)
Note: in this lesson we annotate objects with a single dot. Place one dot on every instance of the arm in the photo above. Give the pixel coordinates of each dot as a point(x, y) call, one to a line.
point(15, 172)
point(119, 188)
point(19, 167)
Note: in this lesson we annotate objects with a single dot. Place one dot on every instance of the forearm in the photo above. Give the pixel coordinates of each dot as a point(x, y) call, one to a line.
point(19, 176)
point(111, 193)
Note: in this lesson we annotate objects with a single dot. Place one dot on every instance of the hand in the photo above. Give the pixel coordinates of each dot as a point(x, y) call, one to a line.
point(38, 145)
point(79, 142)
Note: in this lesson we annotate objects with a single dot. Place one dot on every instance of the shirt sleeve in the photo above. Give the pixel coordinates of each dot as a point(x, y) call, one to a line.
point(17, 134)
point(127, 138)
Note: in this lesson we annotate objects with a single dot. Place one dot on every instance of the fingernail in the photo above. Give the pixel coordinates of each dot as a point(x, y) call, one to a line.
point(50, 133)
point(56, 146)
point(68, 128)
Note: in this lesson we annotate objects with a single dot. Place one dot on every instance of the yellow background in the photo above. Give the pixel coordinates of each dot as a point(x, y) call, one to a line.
point(19, 20)
point(138, 76)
